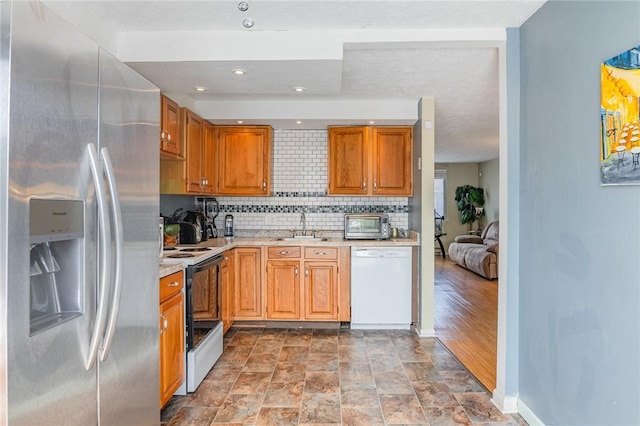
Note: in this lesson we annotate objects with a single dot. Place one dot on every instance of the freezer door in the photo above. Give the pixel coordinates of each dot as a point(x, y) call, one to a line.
point(53, 115)
point(129, 128)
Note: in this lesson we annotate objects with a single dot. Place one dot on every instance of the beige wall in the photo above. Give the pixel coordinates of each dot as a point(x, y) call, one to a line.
point(488, 178)
point(457, 174)
point(426, 326)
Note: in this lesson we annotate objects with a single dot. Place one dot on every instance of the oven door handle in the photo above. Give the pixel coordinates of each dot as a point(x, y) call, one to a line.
point(207, 263)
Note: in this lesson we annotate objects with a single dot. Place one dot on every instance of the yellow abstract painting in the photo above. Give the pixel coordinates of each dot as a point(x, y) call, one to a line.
point(620, 119)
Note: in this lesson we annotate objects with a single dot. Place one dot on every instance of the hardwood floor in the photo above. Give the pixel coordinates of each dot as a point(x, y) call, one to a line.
point(466, 318)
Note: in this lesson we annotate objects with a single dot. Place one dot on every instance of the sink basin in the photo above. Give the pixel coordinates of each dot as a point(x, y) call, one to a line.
point(302, 238)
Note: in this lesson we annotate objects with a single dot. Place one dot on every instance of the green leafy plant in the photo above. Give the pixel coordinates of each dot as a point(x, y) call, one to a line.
point(468, 199)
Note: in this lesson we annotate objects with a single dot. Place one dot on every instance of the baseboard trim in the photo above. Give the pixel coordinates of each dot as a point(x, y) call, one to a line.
point(426, 333)
point(528, 415)
point(507, 404)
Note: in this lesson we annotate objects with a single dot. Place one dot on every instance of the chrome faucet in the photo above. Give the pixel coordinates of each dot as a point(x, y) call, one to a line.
point(303, 219)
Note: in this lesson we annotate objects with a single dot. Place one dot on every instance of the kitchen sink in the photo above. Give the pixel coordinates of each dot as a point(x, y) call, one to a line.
point(301, 238)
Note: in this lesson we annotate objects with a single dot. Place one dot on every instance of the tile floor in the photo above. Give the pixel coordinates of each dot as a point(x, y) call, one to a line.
point(297, 376)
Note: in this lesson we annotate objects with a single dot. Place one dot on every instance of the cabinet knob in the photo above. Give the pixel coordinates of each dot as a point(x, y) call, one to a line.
point(364, 184)
point(296, 271)
point(168, 136)
point(161, 136)
point(173, 284)
point(264, 185)
point(284, 252)
point(375, 185)
point(320, 253)
point(306, 271)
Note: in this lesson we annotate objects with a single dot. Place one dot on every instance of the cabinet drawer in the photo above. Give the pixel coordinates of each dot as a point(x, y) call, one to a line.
point(283, 252)
point(171, 284)
point(321, 253)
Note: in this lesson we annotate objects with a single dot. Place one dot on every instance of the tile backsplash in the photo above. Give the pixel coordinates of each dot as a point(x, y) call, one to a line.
point(299, 182)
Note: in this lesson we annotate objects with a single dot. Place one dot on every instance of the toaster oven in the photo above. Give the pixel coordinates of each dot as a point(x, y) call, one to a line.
point(366, 226)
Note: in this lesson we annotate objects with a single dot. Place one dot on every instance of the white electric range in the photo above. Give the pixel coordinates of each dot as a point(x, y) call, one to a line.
point(203, 337)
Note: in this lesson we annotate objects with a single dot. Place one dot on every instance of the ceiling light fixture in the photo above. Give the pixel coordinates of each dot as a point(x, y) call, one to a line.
point(239, 121)
point(248, 23)
point(298, 122)
point(243, 6)
point(372, 122)
point(238, 71)
point(200, 89)
point(299, 89)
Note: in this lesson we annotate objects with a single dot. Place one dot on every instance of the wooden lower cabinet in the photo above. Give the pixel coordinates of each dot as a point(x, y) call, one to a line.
point(321, 290)
point(302, 283)
point(228, 290)
point(172, 340)
point(283, 289)
point(248, 289)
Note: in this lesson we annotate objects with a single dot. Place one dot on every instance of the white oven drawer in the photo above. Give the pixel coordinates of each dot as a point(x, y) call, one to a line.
point(202, 357)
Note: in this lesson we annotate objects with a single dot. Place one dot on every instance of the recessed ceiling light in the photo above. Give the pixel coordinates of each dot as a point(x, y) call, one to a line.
point(247, 23)
point(238, 71)
point(239, 121)
point(243, 6)
point(299, 89)
point(372, 122)
point(200, 89)
point(298, 122)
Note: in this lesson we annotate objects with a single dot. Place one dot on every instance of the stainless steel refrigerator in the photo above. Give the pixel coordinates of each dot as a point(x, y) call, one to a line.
point(79, 185)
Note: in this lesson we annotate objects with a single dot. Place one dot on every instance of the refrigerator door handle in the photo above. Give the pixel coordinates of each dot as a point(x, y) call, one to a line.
point(116, 215)
point(105, 256)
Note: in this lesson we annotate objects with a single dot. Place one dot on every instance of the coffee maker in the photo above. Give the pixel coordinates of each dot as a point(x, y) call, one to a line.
point(210, 207)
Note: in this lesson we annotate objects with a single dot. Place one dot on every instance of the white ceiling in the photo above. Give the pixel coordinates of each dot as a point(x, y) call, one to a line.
point(358, 60)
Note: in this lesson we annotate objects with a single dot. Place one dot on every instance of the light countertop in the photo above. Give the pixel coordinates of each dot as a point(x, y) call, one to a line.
point(220, 245)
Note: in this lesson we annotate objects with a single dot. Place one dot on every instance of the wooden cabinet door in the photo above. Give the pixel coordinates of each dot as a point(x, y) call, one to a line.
point(283, 289)
point(392, 150)
point(348, 160)
point(248, 294)
point(172, 346)
point(321, 290)
point(169, 127)
point(208, 165)
point(194, 126)
point(204, 288)
point(244, 158)
point(228, 293)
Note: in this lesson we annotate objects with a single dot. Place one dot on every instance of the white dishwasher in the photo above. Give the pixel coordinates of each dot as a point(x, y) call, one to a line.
point(381, 287)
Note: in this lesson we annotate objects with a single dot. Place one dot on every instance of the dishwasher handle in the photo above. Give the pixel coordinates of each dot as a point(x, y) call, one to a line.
point(378, 253)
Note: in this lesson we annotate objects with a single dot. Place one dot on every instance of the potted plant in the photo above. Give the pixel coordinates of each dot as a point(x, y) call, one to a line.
point(470, 203)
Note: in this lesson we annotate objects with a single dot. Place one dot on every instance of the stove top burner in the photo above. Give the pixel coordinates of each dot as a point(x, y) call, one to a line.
point(195, 249)
point(169, 248)
point(180, 255)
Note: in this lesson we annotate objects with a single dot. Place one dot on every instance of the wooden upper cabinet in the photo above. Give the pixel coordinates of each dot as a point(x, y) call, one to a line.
point(244, 159)
point(392, 149)
point(169, 127)
point(370, 161)
point(194, 126)
point(208, 164)
point(348, 160)
point(195, 172)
